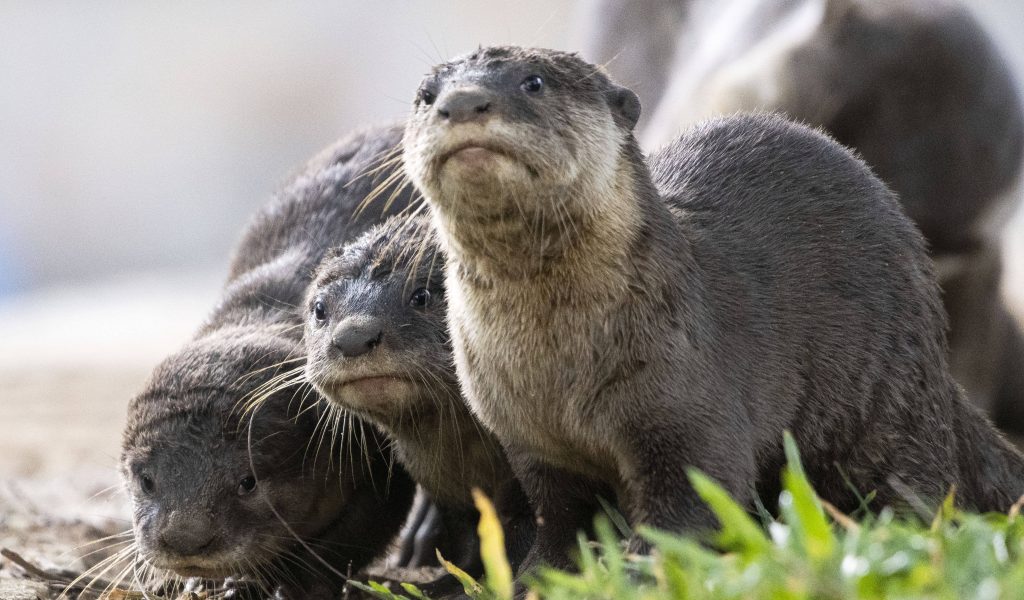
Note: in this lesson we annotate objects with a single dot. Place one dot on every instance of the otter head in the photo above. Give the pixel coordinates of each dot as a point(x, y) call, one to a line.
point(203, 477)
point(376, 339)
point(506, 141)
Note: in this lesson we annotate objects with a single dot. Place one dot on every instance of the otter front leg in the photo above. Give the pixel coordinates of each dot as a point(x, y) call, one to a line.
point(563, 504)
point(655, 453)
point(406, 557)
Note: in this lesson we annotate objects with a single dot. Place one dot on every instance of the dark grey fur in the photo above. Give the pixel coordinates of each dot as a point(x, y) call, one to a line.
point(919, 89)
point(187, 437)
point(614, 329)
point(383, 303)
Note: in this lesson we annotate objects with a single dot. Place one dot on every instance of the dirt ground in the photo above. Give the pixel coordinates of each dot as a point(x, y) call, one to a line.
point(59, 489)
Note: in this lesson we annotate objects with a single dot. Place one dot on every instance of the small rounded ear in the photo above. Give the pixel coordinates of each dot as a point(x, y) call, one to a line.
point(625, 106)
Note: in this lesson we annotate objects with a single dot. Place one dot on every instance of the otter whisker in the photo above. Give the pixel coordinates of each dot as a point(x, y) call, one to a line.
point(398, 191)
point(142, 586)
point(330, 427)
point(303, 401)
point(104, 491)
point(253, 400)
point(123, 537)
point(349, 433)
point(116, 581)
point(389, 181)
point(256, 571)
point(319, 431)
point(268, 571)
point(540, 28)
point(267, 388)
point(410, 221)
point(99, 550)
point(383, 160)
point(277, 514)
point(299, 564)
point(100, 569)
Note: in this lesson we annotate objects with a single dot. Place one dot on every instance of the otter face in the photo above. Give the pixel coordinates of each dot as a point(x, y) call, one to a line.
point(491, 128)
point(376, 339)
point(203, 478)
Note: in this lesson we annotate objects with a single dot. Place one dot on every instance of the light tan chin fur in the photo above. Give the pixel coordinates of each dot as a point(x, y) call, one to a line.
point(377, 396)
point(541, 203)
point(219, 566)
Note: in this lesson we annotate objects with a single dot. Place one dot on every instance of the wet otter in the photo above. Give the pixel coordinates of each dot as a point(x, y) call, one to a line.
point(917, 87)
point(217, 495)
point(377, 345)
point(615, 323)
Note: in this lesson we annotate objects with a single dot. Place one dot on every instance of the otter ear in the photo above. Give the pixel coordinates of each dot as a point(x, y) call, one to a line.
point(625, 105)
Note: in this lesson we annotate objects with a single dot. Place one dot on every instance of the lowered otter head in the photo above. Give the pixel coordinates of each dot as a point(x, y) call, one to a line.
point(203, 479)
point(517, 147)
point(376, 340)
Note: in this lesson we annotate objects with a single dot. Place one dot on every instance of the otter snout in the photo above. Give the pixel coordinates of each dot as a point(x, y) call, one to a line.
point(356, 336)
point(464, 105)
point(187, 533)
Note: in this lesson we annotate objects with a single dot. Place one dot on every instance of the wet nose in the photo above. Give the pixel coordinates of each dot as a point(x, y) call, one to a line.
point(461, 106)
point(188, 533)
point(356, 336)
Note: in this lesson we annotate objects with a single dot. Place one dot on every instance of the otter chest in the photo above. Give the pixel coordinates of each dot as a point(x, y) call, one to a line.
point(535, 381)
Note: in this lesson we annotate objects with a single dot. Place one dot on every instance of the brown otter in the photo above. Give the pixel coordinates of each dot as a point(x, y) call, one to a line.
point(917, 87)
point(377, 345)
point(270, 499)
point(615, 324)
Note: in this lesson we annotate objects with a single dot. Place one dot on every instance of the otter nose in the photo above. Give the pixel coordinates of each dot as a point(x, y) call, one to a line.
point(356, 336)
point(187, 533)
point(461, 106)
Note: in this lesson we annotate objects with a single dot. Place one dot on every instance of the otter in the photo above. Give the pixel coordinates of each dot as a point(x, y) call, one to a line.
point(377, 345)
point(617, 321)
point(917, 87)
point(288, 499)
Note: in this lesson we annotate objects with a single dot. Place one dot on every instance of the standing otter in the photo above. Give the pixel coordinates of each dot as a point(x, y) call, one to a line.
point(215, 495)
point(917, 87)
point(615, 325)
point(377, 345)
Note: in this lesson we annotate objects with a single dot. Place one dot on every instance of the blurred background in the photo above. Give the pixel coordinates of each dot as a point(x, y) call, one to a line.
point(136, 138)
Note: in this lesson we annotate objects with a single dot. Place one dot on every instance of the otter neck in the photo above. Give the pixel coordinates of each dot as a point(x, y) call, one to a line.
point(589, 224)
point(448, 452)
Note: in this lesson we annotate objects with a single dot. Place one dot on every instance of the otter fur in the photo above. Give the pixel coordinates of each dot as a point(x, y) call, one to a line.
point(377, 345)
point(617, 321)
point(917, 87)
point(284, 497)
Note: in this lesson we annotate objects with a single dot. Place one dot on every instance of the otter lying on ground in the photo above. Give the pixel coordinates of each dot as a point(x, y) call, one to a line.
point(216, 495)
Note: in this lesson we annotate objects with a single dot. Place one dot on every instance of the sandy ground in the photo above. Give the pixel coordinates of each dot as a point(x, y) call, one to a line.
point(59, 489)
point(64, 387)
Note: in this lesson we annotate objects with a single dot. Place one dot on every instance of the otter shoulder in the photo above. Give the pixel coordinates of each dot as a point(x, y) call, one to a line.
point(753, 157)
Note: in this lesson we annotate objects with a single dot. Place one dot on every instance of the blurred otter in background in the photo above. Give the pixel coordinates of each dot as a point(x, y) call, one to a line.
point(915, 86)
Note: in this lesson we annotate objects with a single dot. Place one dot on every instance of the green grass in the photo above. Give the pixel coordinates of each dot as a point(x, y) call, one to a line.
point(810, 552)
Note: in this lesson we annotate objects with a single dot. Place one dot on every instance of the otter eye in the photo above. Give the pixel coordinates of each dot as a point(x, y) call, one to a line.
point(532, 84)
point(146, 483)
point(426, 96)
point(420, 298)
point(247, 485)
point(319, 311)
